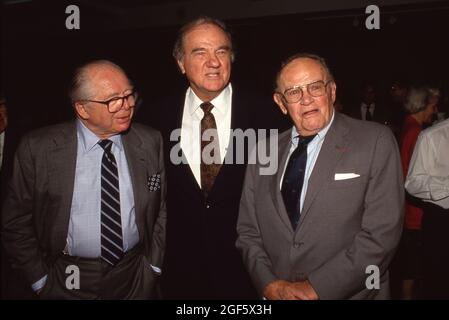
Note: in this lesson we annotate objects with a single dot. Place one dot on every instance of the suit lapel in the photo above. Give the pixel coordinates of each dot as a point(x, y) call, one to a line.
point(284, 148)
point(62, 166)
point(184, 171)
point(137, 164)
point(330, 153)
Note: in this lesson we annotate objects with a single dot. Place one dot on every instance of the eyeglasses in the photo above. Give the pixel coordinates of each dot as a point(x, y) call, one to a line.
point(116, 103)
point(315, 89)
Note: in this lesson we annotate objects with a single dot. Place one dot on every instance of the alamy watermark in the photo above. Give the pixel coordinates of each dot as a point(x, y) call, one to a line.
point(73, 20)
point(255, 146)
point(372, 282)
point(72, 282)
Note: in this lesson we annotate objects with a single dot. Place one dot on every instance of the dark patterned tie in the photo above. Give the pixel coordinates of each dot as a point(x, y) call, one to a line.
point(209, 171)
point(111, 222)
point(294, 179)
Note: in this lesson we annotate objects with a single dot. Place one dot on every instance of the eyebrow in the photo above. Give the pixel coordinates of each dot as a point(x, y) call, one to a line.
point(198, 49)
point(116, 95)
point(225, 47)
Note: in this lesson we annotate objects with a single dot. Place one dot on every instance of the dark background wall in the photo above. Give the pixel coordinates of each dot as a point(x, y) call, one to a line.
point(38, 53)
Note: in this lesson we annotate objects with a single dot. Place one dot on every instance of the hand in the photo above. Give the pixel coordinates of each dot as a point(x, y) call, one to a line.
point(284, 290)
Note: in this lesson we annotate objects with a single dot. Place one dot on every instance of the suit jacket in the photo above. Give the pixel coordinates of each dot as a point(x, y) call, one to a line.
point(345, 225)
point(201, 259)
point(36, 210)
point(381, 113)
point(9, 147)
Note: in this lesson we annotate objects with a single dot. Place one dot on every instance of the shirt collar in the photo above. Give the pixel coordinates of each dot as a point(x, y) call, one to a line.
point(88, 139)
point(321, 134)
point(365, 105)
point(220, 102)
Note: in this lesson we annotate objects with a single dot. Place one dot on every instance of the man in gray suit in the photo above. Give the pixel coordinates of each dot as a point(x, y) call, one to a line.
point(84, 216)
point(327, 224)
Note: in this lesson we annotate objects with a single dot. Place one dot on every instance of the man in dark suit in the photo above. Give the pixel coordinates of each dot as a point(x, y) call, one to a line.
point(326, 225)
point(202, 200)
point(369, 108)
point(84, 216)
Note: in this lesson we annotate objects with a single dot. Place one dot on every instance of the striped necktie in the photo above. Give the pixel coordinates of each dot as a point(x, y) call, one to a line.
point(111, 224)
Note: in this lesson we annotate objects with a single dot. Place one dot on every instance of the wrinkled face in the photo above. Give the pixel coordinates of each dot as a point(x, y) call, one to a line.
point(106, 82)
point(206, 60)
point(310, 114)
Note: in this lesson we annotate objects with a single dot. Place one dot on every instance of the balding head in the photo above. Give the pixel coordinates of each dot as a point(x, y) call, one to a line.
point(81, 86)
point(303, 55)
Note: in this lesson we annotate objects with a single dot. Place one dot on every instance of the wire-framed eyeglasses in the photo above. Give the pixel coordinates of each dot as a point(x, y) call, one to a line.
point(315, 89)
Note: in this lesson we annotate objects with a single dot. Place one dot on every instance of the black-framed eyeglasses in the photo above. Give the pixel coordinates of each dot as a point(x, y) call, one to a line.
point(315, 89)
point(116, 103)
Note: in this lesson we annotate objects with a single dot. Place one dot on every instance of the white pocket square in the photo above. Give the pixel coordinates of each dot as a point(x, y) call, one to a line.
point(345, 176)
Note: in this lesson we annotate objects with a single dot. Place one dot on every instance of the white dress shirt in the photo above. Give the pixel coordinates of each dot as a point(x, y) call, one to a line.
point(364, 109)
point(191, 127)
point(428, 174)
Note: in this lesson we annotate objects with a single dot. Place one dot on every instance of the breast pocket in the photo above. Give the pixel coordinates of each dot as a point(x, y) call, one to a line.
point(347, 183)
point(154, 182)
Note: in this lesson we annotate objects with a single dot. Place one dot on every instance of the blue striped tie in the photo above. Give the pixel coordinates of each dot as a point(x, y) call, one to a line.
point(111, 224)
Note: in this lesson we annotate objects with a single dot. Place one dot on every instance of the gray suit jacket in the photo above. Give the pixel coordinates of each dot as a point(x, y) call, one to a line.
point(345, 225)
point(36, 210)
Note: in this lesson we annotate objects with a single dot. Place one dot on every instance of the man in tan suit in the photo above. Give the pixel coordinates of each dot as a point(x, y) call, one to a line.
point(332, 215)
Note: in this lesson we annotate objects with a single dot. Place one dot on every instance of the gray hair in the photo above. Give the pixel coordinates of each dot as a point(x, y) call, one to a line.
point(418, 98)
point(303, 55)
point(178, 48)
point(80, 88)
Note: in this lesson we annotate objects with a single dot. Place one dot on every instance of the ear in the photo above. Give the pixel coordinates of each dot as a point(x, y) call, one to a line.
point(278, 99)
point(333, 91)
point(81, 111)
point(180, 63)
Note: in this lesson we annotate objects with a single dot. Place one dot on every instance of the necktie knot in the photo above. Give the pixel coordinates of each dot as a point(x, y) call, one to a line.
point(106, 144)
point(305, 140)
point(207, 107)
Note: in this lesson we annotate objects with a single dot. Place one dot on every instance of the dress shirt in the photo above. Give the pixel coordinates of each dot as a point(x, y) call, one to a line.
point(428, 174)
point(313, 150)
point(364, 109)
point(191, 127)
point(84, 237)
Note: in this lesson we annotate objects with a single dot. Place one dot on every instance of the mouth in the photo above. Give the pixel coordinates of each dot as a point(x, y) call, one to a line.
point(123, 119)
point(212, 75)
point(310, 113)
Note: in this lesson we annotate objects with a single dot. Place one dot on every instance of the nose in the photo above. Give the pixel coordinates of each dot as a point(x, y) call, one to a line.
point(213, 61)
point(306, 98)
point(126, 105)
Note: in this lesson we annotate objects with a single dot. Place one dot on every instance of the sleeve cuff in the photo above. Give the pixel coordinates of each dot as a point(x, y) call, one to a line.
point(157, 270)
point(39, 284)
